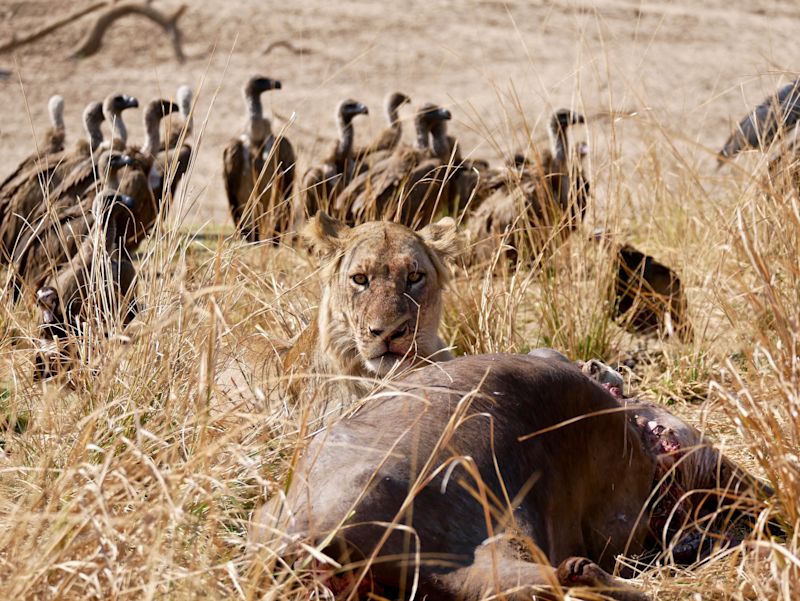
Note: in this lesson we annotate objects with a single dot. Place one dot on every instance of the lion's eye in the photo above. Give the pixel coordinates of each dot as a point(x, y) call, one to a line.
point(360, 279)
point(415, 277)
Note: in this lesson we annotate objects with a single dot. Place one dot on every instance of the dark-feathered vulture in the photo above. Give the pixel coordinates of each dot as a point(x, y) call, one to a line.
point(94, 287)
point(56, 236)
point(23, 195)
point(537, 202)
point(144, 180)
point(776, 115)
point(323, 183)
point(172, 161)
point(258, 169)
point(81, 277)
point(113, 106)
point(648, 296)
point(52, 141)
point(412, 184)
point(390, 137)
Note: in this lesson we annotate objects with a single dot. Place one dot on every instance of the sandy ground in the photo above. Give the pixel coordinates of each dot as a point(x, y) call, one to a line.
point(686, 68)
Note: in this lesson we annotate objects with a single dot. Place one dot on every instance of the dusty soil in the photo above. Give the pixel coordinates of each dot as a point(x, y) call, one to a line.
point(683, 68)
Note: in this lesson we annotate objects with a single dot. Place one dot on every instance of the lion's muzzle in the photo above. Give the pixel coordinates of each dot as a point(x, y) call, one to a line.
point(397, 338)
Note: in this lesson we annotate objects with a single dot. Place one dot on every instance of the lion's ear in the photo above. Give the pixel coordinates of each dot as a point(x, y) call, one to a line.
point(444, 237)
point(324, 234)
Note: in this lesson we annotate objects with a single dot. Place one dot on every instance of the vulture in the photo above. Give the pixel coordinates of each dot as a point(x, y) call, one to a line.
point(144, 180)
point(776, 115)
point(412, 184)
point(176, 135)
point(323, 183)
point(52, 142)
point(81, 183)
point(81, 166)
point(172, 161)
point(258, 169)
point(390, 137)
point(58, 234)
point(112, 111)
point(82, 171)
point(22, 197)
point(56, 134)
point(537, 202)
point(92, 119)
point(647, 295)
point(95, 286)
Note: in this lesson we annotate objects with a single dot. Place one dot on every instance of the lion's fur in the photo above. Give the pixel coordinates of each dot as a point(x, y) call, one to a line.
point(339, 341)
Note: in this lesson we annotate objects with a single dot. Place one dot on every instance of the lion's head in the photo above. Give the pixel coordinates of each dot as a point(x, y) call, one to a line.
point(382, 298)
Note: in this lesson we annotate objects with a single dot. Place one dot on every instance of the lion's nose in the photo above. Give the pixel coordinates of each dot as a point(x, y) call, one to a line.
point(394, 335)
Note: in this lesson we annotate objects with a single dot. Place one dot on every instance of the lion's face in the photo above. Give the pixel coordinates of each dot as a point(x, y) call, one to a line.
point(382, 301)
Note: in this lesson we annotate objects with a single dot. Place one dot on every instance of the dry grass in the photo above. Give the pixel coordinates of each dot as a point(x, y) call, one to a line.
point(137, 480)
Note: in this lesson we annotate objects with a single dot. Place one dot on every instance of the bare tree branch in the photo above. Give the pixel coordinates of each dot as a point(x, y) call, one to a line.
point(288, 45)
point(93, 40)
point(15, 42)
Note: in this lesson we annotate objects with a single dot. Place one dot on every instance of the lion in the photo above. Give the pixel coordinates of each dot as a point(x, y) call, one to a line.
point(381, 302)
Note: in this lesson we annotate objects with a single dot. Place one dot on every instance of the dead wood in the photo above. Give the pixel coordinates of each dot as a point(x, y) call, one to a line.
point(93, 39)
point(289, 46)
point(16, 42)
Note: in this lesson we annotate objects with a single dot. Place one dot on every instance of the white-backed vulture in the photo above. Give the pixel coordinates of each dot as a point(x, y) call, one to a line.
point(113, 106)
point(92, 119)
point(412, 185)
point(95, 286)
point(22, 197)
point(258, 169)
point(56, 134)
point(74, 280)
point(539, 203)
point(143, 180)
point(52, 141)
point(390, 137)
point(323, 183)
point(176, 135)
point(56, 236)
point(172, 161)
point(774, 117)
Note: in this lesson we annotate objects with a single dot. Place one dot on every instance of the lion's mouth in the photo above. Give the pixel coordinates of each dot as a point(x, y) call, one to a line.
point(383, 363)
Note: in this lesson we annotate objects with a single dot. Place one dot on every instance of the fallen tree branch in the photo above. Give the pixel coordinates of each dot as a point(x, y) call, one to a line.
point(93, 40)
point(288, 45)
point(16, 42)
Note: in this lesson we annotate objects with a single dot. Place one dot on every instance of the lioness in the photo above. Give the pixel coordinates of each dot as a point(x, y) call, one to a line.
point(381, 302)
point(446, 486)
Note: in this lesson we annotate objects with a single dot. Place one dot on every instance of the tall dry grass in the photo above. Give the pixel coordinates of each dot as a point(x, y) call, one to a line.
point(136, 479)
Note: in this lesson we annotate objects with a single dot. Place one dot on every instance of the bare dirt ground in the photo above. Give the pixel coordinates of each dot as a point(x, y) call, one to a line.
point(685, 68)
